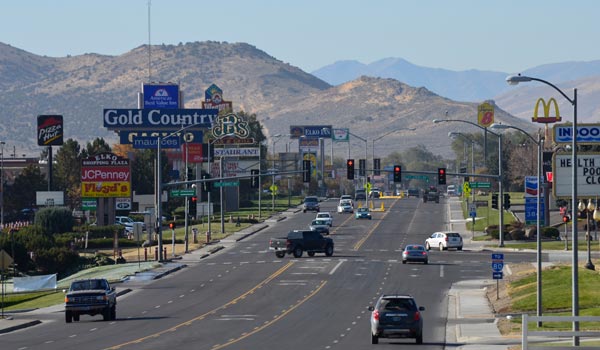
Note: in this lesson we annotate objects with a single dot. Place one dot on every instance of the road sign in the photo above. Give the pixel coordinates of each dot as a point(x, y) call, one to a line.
point(183, 193)
point(368, 187)
point(497, 275)
point(497, 256)
point(497, 266)
point(481, 185)
point(417, 177)
point(273, 188)
point(227, 184)
point(467, 189)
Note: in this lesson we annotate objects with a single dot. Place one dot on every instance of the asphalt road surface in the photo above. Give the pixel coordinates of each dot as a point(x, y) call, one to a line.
point(246, 298)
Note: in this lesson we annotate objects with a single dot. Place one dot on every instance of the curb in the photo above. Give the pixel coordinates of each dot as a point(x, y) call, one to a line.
point(20, 326)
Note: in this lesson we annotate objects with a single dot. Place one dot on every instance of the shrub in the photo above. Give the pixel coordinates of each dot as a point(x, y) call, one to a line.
point(54, 220)
point(550, 232)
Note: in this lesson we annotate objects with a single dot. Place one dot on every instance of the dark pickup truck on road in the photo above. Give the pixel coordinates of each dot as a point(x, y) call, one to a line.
point(298, 242)
point(90, 297)
point(431, 194)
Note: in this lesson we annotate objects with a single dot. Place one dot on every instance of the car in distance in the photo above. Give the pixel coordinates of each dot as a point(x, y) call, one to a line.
point(396, 316)
point(311, 203)
point(326, 216)
point(127, 222)
point(444, 240)
point(375, 194)
point(362, 213)
point(360, 194)
point(320, 226)
point(90, 297)
point(347, 197)
point(415, 253)
point(345, 206)
point(413, 192)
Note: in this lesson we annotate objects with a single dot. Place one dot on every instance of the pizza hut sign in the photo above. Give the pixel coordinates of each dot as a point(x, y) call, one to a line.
point(50, 130)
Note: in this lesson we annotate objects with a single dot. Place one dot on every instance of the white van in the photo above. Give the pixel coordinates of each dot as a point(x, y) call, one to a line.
point(451, 190)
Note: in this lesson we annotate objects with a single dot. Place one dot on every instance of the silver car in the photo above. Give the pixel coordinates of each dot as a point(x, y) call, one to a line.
point(444, 240)
point(320, 226)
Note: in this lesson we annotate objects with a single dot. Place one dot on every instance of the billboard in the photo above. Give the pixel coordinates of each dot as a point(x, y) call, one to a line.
point(105, 175)
point(588, 175)
point(158, 119)
point(161, 95)
point(50, 130)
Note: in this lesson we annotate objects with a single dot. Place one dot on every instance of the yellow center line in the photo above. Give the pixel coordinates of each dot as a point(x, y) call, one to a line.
point(275, 319)
point(364, 239)
point(212, 312)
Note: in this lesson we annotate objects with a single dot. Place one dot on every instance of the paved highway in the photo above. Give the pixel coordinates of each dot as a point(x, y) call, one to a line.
point(246, 298)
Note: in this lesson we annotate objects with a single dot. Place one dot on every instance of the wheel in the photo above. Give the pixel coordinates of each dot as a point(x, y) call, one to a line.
point(113, 312)
point(427, 246)
point(404, 261)
point(68, 316)
point(426, 262)
point(420, 338)
point(329, 250)
point(304, 211)
point(76, 317)
point(459, 248)
point(374, 339)
point(106, 314)
point(311, 253)
point(279, 254)
point(297, 252)
point(441, 247)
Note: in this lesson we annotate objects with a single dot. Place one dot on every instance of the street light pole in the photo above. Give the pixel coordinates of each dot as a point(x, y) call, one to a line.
point(500, 175)
point(514, 80)
point(2, 143)
point(366, 156)
point(539, 143)
point(454, 133)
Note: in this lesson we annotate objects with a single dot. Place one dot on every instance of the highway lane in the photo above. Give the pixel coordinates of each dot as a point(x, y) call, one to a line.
point(245, 298)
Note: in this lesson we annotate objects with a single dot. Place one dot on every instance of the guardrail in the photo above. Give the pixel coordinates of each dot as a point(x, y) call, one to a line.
point(559, 334)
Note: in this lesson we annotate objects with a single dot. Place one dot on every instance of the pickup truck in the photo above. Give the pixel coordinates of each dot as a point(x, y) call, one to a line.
point(431, 194)
point(90, 297)
point(298, 242)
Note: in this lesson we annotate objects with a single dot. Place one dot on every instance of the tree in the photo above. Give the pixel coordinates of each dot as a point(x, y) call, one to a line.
point(67, 172)
point(22, 193)
point(96, 147)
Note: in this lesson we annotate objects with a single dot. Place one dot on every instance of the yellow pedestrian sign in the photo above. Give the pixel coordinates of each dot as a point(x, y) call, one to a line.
point(274, 189)
point(466, 189)
point(368, 187)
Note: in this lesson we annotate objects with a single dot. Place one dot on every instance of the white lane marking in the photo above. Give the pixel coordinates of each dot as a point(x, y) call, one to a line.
point(336, 267)
point(304, 273)
point(93, 329)
point(71, 336)
point(441, 270)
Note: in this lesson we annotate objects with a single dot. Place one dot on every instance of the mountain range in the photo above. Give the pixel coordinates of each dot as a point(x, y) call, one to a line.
point(280, 94)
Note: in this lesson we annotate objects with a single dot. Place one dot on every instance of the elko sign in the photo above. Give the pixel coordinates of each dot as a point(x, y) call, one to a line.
point(588, 174)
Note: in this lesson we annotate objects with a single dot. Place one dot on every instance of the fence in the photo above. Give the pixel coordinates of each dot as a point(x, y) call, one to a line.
point(558, 334)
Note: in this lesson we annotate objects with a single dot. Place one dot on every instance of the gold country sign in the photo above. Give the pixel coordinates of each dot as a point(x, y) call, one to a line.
point(546, 119)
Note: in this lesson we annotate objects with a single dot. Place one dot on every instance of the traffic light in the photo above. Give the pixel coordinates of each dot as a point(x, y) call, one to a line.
point(362, 167)
point(193, 205)
point(397, 173)
point(255, 177)
point(189, 174)
point(494, 200)
point(376, 166)
point(206, 186)
point(306, 170)
point(566, 219)
point(350, 169)
point(172, 225)
point(506, 201)
point(441, 176)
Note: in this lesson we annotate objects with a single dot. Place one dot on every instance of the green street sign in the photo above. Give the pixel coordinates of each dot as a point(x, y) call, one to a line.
point(88, 204)
point(481, 185)
point(417, 177)
point(227, 184)
point(183, 193)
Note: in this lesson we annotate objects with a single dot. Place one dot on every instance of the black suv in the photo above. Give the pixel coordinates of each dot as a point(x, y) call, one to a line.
point(396, 316)
point(311, 203)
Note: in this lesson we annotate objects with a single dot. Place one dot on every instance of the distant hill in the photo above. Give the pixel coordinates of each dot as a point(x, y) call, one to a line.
point(470, 85)
point(281, 95)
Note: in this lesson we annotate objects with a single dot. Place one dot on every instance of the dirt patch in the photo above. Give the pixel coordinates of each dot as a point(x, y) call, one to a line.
point(500, 299)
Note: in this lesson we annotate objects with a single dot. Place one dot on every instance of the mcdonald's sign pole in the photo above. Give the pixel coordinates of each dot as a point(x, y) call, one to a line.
point(514, 80)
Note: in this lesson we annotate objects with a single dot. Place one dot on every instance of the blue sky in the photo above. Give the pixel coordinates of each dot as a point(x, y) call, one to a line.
point(507, 36)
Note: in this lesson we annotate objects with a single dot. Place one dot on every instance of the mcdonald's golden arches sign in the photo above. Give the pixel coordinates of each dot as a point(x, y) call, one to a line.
point(546, 119)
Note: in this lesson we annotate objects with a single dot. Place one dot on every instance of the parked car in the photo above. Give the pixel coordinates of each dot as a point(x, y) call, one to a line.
point(345, 206)
point(311, 203)
point(396, 316)
point(320, 226)
point(363, 213)
point(128, 222)
point(444, 240)
point(415, 253)
point(326, 216)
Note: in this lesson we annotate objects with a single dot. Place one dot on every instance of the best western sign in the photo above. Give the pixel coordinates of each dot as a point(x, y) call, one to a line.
point(588, 174)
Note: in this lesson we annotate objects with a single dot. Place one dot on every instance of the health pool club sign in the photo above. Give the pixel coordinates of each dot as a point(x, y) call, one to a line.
point(162, 119)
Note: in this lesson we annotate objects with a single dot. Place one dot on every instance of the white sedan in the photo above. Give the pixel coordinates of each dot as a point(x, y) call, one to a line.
point(325, 215)
point(345, 206)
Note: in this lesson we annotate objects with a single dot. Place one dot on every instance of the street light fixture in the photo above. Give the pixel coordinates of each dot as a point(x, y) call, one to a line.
point(588, 210)
point(539, 143)
point(514, 80)
point(500, 178)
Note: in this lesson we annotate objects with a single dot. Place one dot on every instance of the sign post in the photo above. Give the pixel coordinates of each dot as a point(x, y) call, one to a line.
point(497, 266)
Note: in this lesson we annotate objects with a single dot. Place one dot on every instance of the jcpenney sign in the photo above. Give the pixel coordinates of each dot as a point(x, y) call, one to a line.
point(114, 174)
point(168, 119)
